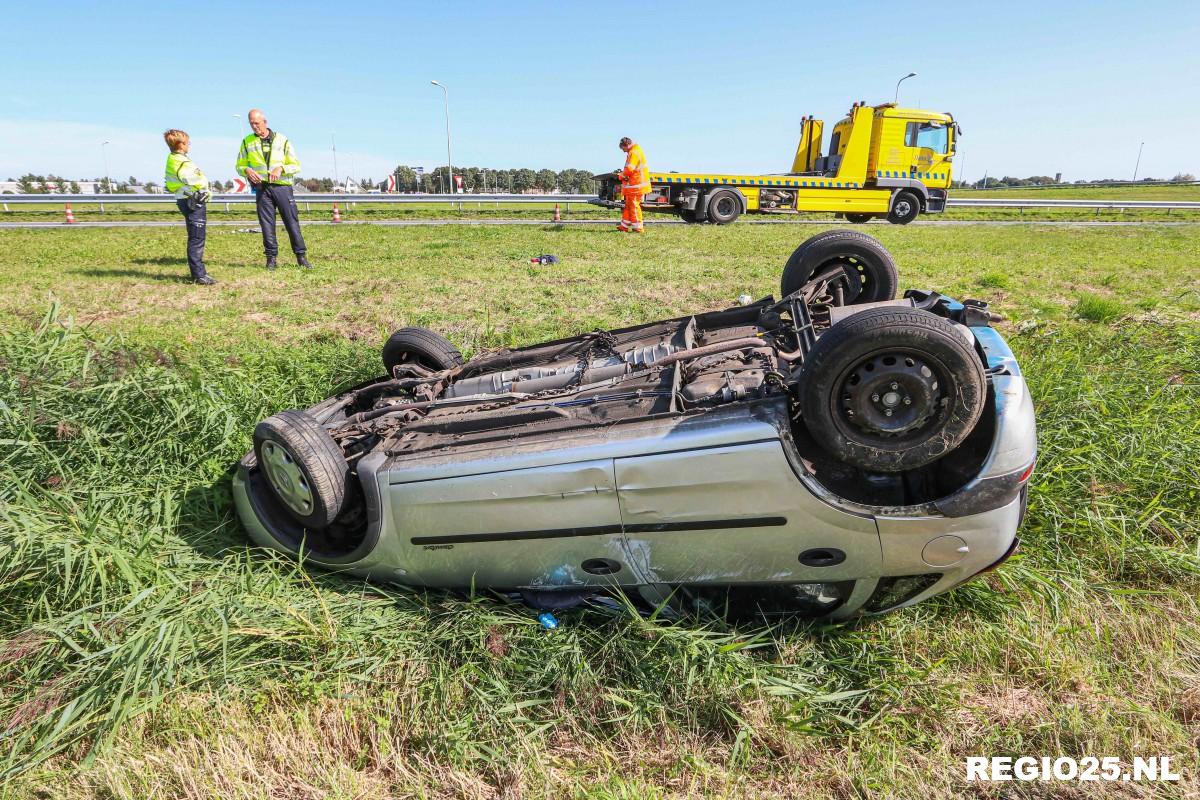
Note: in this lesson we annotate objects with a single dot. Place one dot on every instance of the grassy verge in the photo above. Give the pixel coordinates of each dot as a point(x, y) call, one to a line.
point(147, 650)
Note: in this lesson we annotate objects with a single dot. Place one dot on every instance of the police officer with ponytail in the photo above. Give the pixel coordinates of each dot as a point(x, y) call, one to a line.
point(185, 180)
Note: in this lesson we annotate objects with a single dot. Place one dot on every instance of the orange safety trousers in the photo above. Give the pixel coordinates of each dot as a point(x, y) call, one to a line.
point(631, 217)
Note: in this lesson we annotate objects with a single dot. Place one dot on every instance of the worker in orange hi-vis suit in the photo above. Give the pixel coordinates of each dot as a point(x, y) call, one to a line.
point(635, 183)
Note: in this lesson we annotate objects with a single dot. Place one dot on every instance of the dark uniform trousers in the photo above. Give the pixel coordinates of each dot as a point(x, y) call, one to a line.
point(269, 197)
point(197, 219)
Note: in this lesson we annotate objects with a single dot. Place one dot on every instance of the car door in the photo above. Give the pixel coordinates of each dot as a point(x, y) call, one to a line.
point(737, 514)
point(547, 527)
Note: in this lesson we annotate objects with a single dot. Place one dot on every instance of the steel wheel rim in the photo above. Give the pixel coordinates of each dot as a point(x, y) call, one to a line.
point(287, 479)
point(892, 396)
point(856, 277)
point(903, 208)
point(724, 206)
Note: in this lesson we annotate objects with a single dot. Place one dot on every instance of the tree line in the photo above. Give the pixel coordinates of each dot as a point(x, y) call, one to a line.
point(483, 179)
point(988, 182)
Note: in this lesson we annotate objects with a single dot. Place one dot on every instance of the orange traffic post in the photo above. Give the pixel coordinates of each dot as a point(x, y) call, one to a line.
point(70, 215)
point(557, 213)
point(337, 217)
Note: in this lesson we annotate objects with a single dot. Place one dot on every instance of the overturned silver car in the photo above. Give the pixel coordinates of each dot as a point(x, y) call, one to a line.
point(833, 452)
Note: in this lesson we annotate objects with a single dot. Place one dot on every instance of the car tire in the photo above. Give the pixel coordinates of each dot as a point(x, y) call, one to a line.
point(892, 389)
point(304, 468)
point(859, 219)
point(905, 208)
point(724, 206)
point(421, 345)
point(870, 271)
point(688, 215)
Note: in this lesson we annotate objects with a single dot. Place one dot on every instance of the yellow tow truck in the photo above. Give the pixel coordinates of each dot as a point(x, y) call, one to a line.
point(883, 161)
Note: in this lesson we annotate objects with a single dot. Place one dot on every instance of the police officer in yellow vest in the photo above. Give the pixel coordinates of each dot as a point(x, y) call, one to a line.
point(269, 162)
point(185, 180)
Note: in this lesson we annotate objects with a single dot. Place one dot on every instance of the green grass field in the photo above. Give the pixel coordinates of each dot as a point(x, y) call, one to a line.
point(146, 650)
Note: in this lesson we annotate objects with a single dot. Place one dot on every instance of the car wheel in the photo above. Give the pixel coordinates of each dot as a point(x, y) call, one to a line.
point(421, 346)
point(859, 219)
point(905, 209)
point(724, 207)
point(869, 273)
point(892, 389)
point(687, 215)
point(304, 467)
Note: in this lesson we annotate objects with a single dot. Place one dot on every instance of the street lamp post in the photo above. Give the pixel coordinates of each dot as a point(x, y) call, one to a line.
point(896, 98)
point(333, 142)
point(449, 159)
point(1139, 161)
point(104, 155)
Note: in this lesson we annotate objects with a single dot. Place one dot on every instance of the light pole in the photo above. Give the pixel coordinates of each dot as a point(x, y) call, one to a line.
point(104, 155)
point(333, 142)
point(449, 160)
point(1139, 160)
point(896, 98)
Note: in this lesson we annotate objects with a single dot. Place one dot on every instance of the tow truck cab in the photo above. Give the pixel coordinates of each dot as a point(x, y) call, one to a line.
point(889, 147)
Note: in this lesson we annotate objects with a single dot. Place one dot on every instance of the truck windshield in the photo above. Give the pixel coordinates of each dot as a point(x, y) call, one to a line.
point(933, 135)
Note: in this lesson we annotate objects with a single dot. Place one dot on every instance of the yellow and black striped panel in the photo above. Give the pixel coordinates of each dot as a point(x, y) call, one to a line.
point(765, 181)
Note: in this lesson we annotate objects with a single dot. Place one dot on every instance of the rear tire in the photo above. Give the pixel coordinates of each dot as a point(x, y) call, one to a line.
point(892, 389)
point(905, 208)
point(724, 206)
point(304, 467)
point(421, 346)
point(859, 219)
point(870, 272)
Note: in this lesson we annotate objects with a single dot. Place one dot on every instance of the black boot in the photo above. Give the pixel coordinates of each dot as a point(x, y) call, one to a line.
point(204, 280)
point(303, 261)
point(271, 262)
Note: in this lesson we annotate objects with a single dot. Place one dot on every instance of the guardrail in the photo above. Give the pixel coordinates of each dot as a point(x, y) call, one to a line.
point(1026, 202)
point(519, 199)
point(306, 197)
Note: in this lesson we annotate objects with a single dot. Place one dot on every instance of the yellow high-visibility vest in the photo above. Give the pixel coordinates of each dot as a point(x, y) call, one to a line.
point(251, 156)
point(183, 177)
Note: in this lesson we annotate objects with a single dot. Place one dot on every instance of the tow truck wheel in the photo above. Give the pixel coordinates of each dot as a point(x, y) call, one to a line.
point(891, 389)
point(304, 467)
point(724, 207)
point(859, 219)
point(420, 346)
point(868, 271)
point(905, 209)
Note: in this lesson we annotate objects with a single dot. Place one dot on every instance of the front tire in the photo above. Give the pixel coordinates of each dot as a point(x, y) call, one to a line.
point(859, 219)
point(724, 207)
point(892, 389)
point(304, 467)
point(905, 208)
point(869, 271)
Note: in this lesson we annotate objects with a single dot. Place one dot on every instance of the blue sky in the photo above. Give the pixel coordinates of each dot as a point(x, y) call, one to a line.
point(1038, 87)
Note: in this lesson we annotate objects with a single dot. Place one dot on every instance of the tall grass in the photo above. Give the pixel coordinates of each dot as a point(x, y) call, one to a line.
point(126, 579)
point(136, 620)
